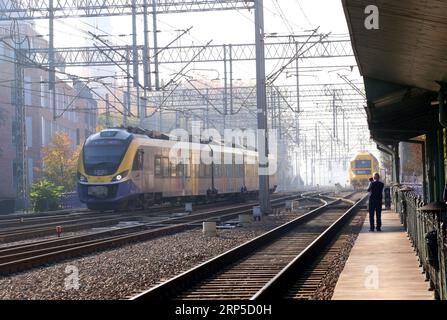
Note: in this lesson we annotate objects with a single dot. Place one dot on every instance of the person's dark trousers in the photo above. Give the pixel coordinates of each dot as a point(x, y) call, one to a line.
point(377, 209)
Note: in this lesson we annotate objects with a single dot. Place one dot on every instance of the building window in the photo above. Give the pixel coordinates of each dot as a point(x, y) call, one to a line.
point(28, 91)
point(42, 123)
point(29, 132)
point(43, 93)
point(30, 171)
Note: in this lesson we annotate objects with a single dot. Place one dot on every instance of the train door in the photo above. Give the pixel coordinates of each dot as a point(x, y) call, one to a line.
point(148, 170)
point(194, 172)
point(235, 173)
point(224, 177)
point(184, 170)
point(137, 170)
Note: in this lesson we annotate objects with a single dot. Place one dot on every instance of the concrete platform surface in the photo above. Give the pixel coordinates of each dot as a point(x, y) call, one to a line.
point(383, 266)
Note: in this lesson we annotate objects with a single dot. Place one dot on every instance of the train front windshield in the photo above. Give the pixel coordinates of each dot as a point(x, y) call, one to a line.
point(363, 164)
point(103, 157)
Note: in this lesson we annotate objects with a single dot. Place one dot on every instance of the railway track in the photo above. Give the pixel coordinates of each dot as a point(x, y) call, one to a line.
point(33, 227)
point(25, 256)
point(261, 268)
point(308, 284)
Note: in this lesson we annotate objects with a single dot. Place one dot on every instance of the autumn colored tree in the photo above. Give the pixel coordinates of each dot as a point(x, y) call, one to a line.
point(60, 162)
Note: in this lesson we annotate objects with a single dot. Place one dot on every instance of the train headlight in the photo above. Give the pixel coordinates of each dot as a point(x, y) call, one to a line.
point(82, 178)
point(120, 176)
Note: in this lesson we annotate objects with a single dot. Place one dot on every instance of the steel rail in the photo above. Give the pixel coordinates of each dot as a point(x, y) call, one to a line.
point(281, 282)
point(22, 258)
point(189, 279)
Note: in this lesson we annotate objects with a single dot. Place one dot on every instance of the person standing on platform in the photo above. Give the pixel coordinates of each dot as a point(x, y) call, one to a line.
point(375, 190)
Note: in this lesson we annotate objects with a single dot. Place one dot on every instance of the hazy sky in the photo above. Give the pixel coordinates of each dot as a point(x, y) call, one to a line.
point(232, 26)
point(283, 17)
point(223, 27)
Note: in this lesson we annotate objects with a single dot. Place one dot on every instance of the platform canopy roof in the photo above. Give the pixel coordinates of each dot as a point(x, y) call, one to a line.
point(402, 63)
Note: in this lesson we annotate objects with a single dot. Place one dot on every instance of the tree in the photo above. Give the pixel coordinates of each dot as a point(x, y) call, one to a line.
point(60, 162)
point(45, 196)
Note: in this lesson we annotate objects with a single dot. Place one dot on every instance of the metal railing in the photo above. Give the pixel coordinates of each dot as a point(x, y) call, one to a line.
point(426, 231)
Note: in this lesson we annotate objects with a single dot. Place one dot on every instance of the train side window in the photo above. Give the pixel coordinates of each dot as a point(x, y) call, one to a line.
point(165, 167)
point(183, 170)
point(173, 169)
point(138, 161)
point(240, 170)
point(157, 167)
point(201, 170)
point(180, 170)
point(208, 170)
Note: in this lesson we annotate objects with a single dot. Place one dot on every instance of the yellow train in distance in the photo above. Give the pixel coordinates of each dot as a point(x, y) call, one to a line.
point(361, 168)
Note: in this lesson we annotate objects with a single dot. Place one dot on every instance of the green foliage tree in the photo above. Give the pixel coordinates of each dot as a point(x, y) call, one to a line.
point(45, 196)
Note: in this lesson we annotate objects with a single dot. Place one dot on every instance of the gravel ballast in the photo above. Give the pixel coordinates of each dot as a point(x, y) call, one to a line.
point(349, 235)
point(120, 273)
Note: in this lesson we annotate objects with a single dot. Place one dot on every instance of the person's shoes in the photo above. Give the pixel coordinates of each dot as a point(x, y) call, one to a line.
point(371, 230)
point(379, 229)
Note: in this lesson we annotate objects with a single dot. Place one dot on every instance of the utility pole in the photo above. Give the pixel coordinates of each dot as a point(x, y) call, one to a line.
point(128, 100)
point(272, 108)
point(264, 192)
point(230, 49)
point(344, 129)
point(317, 142)
point(108, 122)
point(348, 138)
point(146, 55)
point(136, 71)
point(225, 97)
point(298, 106)
point(21, 162)
point(125, 110)
point(207, 125)
point(155, 32)
point(306, 160)
point(51, 58)
point(160, 119)
point(278, 101)
point(334, 116)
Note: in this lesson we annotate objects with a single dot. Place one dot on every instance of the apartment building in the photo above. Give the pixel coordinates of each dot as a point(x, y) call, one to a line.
point(76, 110)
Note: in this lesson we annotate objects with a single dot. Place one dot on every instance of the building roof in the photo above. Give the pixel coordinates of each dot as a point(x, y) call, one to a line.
point(401, 62)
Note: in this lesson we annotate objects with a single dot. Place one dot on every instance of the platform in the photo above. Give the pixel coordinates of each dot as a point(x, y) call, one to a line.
point(383, 266)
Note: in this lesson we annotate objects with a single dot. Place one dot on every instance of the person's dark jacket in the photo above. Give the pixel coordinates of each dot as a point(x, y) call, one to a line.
point(376, 189)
